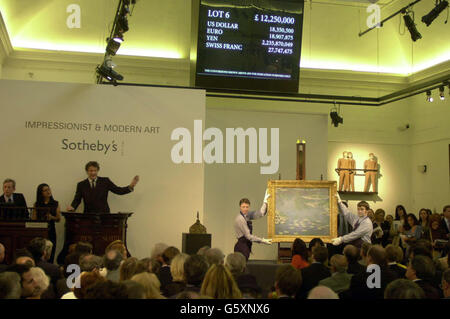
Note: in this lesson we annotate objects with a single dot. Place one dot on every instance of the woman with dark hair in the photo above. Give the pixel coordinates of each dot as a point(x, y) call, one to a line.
point(414, 233)
point(46, 208)
point(400, 214)
point(424, 219)
point(299, 254)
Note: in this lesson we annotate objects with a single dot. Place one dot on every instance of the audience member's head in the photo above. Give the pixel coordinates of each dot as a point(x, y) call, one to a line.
point(203, 250)
point(320, 254)
point(89, 262)
point(248, 286)
point(131, 267)
point(195, 268)
point(112, 259)
point(379, 215)
point(134, 289)
point(150, 283)
point(351, 253)
point(106, 290)
point(37, 248)
point(288, 280)
point(299, 248)
point(71, 259)
point(118, 245)
point(236, 263)
point(42, 282)
point(421, 248)
point(214, 256)
point(47, 250)
point(338, 263)
point(322, 292)
point(10, 287)
point(377, 255)
point(23, 257)
point(169, 253)
point(177, 267)
point(446, 211)
point(315, 242)
point(154, 265)
point(420, 267)
point(393, 254)
point(412, 220)
point(219, 284)
point(157, 251)
point(371, 214)
point(424, 216)
point(446, 283)
point(29, 286)
point(403, 289)
point(400, 212)
point(87, 279)
point(389, 219)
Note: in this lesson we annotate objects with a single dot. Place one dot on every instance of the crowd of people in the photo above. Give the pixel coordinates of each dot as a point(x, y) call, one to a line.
point(408, 254)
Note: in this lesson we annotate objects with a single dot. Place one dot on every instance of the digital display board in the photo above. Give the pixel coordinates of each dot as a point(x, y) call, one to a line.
point(249, 44)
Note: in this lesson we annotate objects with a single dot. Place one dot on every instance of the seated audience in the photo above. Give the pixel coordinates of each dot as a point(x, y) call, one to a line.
point(158, 251)
point(381, 228)
point(177, 271)
point(195, 268)
point(164, 275)
point(403, 289)
point(352, 254)
point(300, 254)
point(118, 245)
point(42, 283)
point(214, 256)
point(288, 281)
point(359, 288)
point(315, 242)
point(37, 247)
point(106, 290)
point(23, 257)
point(87, 279)
point(394, 255)
point(322, 292)
point(421, 270)
point(150, 283)
point(315, 272)
point(203, 250)
point(363, 253)
point(112, 261)
point(134, 289)
point(29, 286)
point(130, 267)
point(339, 280)
point(219, 284)
point(10, 287)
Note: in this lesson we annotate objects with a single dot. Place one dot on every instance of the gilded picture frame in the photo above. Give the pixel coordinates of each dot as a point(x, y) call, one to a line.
point(302, 209)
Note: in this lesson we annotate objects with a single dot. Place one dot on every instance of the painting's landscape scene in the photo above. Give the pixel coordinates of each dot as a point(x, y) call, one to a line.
point(302, 212)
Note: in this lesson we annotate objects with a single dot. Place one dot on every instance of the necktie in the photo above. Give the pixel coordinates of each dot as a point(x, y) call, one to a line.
point(10, 200)
point(93, 184)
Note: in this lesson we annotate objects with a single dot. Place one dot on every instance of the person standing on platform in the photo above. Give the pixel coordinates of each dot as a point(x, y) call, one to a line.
point(343, 171)
point(243, 227)
point(47, 209)
point(13, 205)
point(361, 223)
point(94, 191)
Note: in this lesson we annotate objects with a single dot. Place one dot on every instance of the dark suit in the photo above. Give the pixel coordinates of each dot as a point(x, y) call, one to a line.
point(444, 226)
point(355, 268)
point(96, 199)
point(430, 291)
point(359, 289)
point(399, 270)
point(311, 276)
point(13, 213)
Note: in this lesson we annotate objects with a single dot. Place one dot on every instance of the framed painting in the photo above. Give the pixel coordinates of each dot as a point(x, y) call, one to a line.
point(302, 209)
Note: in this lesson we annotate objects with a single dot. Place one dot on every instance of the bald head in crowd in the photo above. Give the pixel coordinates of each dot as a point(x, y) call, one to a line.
point(322, 292)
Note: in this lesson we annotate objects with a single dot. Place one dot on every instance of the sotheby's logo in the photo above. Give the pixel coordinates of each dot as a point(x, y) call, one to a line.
point(214, 151)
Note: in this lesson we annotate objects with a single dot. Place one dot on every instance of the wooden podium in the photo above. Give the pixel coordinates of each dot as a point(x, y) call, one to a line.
point(98, 229)
point(17, 234)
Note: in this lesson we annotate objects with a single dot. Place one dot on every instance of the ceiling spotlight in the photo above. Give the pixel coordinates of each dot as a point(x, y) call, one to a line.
point(429, 97)
point(335, 118)
point(441, 93)
point(113, 46)
point(105, 70)
point(118, 37)
point(430, 17)
point(409, 22)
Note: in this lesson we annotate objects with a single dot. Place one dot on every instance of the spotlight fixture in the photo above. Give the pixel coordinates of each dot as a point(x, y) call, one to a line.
point(441, 93)
point(118, 37)
point(122, 23)
point(113, 46)
point(335, 118)
point(409, 22)
point(106, 71)
point(430, 17)
point(429, 97)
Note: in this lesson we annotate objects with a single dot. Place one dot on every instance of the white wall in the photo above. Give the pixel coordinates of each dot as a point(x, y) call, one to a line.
point(168, 195)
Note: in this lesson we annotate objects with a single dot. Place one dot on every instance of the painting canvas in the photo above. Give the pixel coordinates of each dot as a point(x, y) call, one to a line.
point(302, 209)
